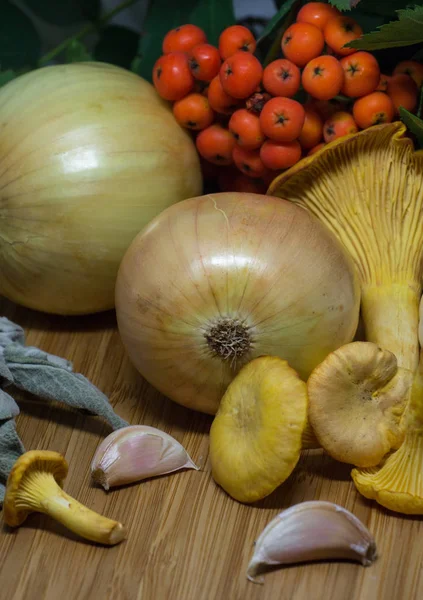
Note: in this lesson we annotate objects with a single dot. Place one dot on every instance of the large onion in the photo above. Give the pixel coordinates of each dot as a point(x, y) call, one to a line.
point(217, 280)
point(88, 155)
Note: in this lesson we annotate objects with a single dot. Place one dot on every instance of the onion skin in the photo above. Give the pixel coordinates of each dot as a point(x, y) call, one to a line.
point(89, 154)
point(258, 259)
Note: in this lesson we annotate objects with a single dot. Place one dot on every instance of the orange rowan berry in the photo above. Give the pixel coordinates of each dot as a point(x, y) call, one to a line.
point(193, 112)
point(215, 144)
point(236, 38)
point(240, 74)
point(171, 76)
point(183, 38)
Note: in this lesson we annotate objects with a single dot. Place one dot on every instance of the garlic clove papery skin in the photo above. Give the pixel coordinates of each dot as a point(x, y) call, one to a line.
point(309, 531)
point(137, 452)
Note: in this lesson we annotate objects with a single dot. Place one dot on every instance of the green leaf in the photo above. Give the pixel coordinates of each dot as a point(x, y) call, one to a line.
point(341, 4)
point(276, 22)
point(385, 8)
point(211, 15)
point(413, 123)
point(418, 55)
point(65, 12)
point(368, 21)
point(406, 31)
point(117, 45)
point(76, 51)
point(6, 76)
point(419, 111)
point(136, 64)
point(19, 42)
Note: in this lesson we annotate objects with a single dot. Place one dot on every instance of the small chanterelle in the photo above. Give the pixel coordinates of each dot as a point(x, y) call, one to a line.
point(35, 485)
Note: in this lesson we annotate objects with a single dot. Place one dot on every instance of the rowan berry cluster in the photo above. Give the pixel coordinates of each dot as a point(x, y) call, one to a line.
point(245, 115)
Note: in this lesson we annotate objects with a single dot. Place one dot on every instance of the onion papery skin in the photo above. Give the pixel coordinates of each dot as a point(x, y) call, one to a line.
point(258, 262)
point(89, 154)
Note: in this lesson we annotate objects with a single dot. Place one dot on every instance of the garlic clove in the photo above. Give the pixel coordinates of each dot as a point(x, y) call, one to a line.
point(137, 452)
point(310, 531)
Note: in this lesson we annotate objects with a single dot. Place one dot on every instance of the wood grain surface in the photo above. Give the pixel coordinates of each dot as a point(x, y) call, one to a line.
point(187, 539)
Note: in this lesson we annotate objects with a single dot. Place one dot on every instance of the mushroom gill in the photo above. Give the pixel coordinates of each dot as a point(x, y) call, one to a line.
point(397, 483)
point(367, 188)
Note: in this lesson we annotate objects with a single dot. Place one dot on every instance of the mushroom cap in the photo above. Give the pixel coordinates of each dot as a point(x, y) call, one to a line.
point(31, 462)
point(366, 187)
point(256, 436)
point(357, 396)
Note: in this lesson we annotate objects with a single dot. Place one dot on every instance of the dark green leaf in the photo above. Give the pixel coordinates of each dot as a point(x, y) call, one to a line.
point(76, 51)
point(6, 76)
point(341, 4)
point(136, 64)
point(368, 21)
point(413, 123)
point(65, 12)
point(406, 31)
point(212, 15)
point(117, 45)
point(19, 42)
point(385, 8)
point(420, 107)
point(275, 23)
point(418, 55)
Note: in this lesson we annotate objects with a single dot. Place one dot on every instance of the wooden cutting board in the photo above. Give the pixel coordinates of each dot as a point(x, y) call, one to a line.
point(187, 539)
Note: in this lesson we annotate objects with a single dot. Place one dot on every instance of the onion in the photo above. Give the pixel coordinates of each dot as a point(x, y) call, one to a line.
point(215, 281)
point(89, 154)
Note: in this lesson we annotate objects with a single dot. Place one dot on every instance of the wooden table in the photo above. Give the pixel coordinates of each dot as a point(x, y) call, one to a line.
point(187, 539)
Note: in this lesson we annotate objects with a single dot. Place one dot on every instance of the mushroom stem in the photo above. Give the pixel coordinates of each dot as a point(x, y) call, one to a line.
point(76, 517)
point(391, 316)
point(414, 413)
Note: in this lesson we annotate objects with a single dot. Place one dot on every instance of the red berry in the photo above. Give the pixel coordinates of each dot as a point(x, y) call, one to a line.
point(215, 144)
point(282, 119)
point(172, 77)
point(245, 127)
point(280, 155)
point(235, 38)
point(183, 38)
point(219, 100)
point(282, 78)
point(249, 162)
point(193, 112)
point(204, 62)
point(240, 74)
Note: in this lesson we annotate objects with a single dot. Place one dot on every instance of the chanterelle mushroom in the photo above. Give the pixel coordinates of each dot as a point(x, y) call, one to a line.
point(354, 408)
point(256, 436)
point(398, 482)
point(34, 485)
point(367, 188)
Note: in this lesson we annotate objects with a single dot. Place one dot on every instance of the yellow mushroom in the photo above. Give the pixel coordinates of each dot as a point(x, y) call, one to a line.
point(354, 403)
point(34, 485)
point(367, 189)
point(397, 483)
point(256, 436)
